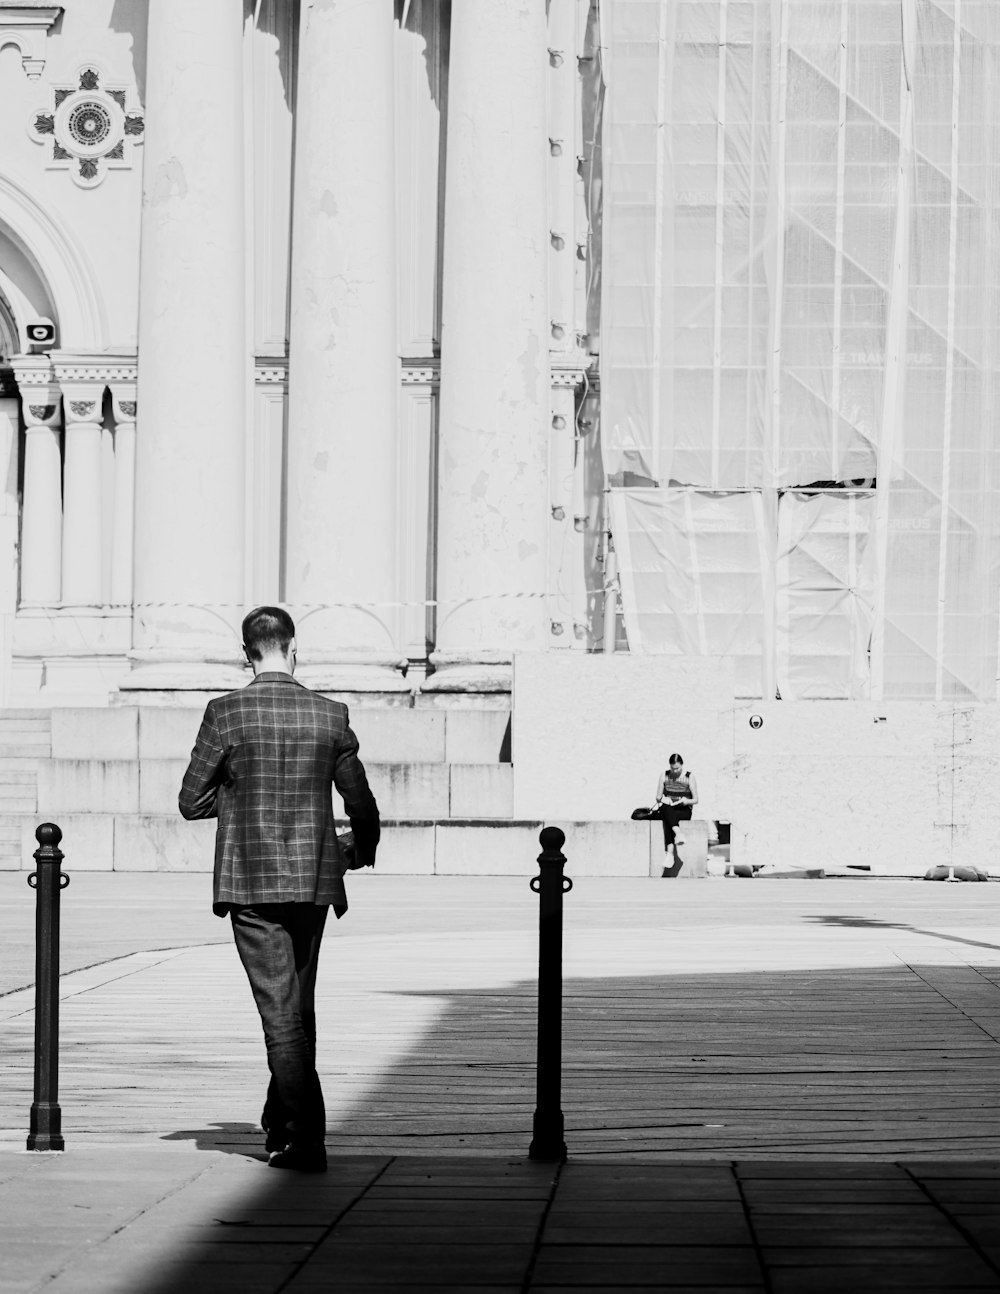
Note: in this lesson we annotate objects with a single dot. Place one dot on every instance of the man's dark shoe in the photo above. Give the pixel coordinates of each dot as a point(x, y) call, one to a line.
point(272, 1140)
point(303, 1159)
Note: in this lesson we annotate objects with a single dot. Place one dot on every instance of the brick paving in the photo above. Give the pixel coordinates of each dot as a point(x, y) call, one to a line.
point(782, 1086)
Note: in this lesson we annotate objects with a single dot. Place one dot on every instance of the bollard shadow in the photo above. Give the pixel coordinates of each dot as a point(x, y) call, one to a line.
point(874, 923)
point(679, 1091)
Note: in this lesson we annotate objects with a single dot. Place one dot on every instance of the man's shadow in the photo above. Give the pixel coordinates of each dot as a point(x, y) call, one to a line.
point(244, 1139)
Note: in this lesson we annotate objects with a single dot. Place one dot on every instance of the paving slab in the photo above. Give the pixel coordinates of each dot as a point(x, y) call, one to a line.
point(795, 1095)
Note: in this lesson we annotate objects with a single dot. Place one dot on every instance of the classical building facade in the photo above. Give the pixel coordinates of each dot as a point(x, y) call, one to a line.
point(260, 344)
point(303, 301)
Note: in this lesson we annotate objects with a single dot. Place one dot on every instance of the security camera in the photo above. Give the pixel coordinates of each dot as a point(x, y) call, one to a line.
point(41, 333)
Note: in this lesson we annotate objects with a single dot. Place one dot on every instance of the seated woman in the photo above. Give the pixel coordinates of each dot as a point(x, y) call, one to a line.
point(676, 796)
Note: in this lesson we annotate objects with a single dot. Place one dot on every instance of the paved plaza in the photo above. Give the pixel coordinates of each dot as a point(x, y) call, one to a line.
point(769, 1085)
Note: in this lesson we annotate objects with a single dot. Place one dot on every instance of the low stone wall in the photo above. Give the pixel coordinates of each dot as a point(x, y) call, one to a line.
point(454, 847)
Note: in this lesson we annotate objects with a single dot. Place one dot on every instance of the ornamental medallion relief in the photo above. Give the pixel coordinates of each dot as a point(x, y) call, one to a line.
point(88, 127)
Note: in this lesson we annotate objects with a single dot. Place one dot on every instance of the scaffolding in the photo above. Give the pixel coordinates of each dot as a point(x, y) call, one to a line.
point(801, 305)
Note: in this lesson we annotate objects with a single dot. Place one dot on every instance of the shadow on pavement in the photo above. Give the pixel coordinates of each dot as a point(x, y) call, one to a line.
point(244, 1139)
point(794, 1132)
point(873, 923)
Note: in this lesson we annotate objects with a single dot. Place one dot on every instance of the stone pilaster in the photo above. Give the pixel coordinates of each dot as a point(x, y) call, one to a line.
point(83, 502)
point(494, 414)
point(124, 408)
point(341, 572)
point(41, 509)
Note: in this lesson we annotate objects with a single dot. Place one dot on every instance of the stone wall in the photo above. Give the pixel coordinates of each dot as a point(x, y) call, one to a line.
point(898, 786)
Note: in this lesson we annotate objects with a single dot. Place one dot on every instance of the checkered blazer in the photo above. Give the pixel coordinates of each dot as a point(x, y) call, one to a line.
point(263, 764)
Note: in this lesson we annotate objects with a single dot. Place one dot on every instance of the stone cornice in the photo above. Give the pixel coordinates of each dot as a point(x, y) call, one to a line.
point(425, 371)
point(25, 25)
point(39, 370)
point(32, 370)
point(571, 369)
point(270, 370)
point(566, 371)
point(72, 366)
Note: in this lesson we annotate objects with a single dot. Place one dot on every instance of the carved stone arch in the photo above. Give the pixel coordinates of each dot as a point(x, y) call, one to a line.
point(10, 337)
point(61, 265)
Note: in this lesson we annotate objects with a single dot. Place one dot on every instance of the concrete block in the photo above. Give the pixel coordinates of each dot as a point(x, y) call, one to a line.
point(857, 731)
point(408, 790)
point(482, 791)
point(801, 810)
point(157, 843)
point(486, 849)
point(168, 733)
point(477, 736)
point(87, 842)
point(17, 841)
point(832, 783)
point(592, 733)
point(95, 733)
point(159, 784)
point(604, 848)
point(87, 786)
point(399, 736)
point(691, 841)
point(971, 756)
point(692, 860)
point(404, 850)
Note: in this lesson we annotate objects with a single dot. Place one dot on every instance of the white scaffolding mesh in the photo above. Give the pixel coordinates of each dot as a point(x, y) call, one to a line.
point(801, 285)
point(781, 583)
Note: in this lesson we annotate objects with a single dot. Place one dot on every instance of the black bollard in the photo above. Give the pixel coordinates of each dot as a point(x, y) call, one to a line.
point(548, 1141)
point(46, 1117)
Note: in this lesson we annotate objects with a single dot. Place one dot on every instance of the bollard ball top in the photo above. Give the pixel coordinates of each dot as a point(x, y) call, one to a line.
point(552, 839)
point(48, 834)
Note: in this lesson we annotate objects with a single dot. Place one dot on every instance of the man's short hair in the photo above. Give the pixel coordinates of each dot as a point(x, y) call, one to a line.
point(266, 630)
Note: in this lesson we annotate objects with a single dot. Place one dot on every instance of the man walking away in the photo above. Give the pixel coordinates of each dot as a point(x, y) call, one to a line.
point(263, 764)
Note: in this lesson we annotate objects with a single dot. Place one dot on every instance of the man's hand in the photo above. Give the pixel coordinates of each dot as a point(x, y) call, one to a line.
point(349, 852)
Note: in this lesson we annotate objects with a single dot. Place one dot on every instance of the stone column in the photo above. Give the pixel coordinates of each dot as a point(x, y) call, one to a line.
point(9, 511)
point(82, 496)
point(494, 413)
point(41, 509)
point(194, 360)
point(123, 403)
point(343, 362)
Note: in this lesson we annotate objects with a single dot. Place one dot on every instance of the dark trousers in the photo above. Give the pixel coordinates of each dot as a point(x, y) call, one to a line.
point(670, 815)
point(278, 944)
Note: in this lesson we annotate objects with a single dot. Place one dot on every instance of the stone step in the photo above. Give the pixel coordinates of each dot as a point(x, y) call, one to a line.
point(18, 776)
point(18, 803)
point(33, 744)
point(151, 786)
point(395, 735)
